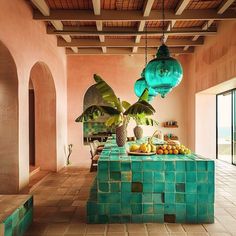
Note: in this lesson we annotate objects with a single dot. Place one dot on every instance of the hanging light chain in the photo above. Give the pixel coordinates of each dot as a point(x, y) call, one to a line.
point(163, 22)
point(145, 44)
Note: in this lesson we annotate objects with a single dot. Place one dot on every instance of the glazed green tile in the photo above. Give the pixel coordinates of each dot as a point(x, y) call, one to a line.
point(115, 166)
point(191, 209)
point(147, 218)
point(103, 187)
point(202, 209)
point(103, 197)
point(126, 176)
point(159, 176)
point(137, 166)
point(191, 187)
point(180, 208)
point(125, 166)
point(179, 197)
point(180, 187)
point(114, 219)
point(169, 198)
point(159, 187)
point(202, 165)
point(170, 166)
point(158, 166)
point(202, 218)
point(147, 197)
point(136, 209)
point(114, 209)
point(191, 219)
point(116, 176)
point(115, 187)
point(137, 176)
point(137, 218)
point(103, 166)
point(169, 187)
point(136, 198)
point(91, 208)
point(180, 177)
point(211, 197)
point(169, 209)
point(126, 187)
point(191, 177)
point(102, 176)
point(125, 219)
point(211, 177)
point(158, 198)
point(147, 187)
point(158, 208)
point(158, 218)
point(202, 188)
point(211, 188)
point(126, 208)
point(211, 166)
point(202, 198)
point(191, 198)
point(170, 176)
point(114, 198)
point(147, 208)
point(148, 177)
point(202, 177)
point(210, 209)
point(191, 166)
point(180, 165)
point(101, 209)
point(180, 218)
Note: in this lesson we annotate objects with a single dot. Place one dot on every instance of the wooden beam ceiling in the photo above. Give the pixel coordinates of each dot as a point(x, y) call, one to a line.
point(121, 51)
point(121, 31)
point(113, 15)
point(119, 43)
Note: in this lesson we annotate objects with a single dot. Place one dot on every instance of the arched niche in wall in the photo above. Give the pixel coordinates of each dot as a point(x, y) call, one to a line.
point(95, 129)
point(42, 84)
point(9, 143)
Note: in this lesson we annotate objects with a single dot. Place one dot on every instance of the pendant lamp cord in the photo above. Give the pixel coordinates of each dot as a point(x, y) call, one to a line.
point(163, 22)
point(145, 44)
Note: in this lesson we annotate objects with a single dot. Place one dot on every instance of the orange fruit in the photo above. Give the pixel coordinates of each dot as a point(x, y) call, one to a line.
point(169, 147)
point(166, 152)
point(160, 151)
point(170, 151)
point(176, 152)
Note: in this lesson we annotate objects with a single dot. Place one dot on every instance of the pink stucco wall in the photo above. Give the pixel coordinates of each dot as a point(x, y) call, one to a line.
point(28, 43)
point(209, 66)
point(121, 72)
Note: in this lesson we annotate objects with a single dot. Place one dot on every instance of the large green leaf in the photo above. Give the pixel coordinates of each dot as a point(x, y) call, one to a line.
point(94, 111)
point(148, 121)
point(107, 92)
point(144, 96)
point(114, 120)
point(126, 104)
point(139, 108)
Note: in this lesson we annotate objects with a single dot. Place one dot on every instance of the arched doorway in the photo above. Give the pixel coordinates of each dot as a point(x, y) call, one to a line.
point(9, 151)
point(42, 118)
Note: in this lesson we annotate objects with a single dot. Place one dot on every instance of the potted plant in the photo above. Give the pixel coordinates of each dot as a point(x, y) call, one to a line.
point(119, 111)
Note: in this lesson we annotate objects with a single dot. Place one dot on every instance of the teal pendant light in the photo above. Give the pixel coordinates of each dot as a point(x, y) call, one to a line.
point(141, 84)
point(164, 72)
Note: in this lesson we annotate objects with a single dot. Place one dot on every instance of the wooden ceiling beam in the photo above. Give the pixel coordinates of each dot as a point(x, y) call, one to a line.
point(42, 7)
point(113, 15)
point(121, 51)
point(146, 12)
point(127, 43)
point(224, 6)
point(97, 11)
point(115, 32)
point(181, 6)
point(59, 26)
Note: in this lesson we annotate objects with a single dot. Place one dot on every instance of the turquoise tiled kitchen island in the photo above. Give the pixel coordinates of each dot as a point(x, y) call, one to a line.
point(158, 188)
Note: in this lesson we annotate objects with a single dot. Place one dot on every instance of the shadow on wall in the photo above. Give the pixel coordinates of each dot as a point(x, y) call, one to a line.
point(41, 81)
point(9, 150)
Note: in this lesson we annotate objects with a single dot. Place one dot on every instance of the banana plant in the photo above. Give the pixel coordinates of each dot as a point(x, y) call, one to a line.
point(119, 112)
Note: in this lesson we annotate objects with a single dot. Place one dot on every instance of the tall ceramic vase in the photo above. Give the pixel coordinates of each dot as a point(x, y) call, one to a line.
point(138, 132)
point(121, 135)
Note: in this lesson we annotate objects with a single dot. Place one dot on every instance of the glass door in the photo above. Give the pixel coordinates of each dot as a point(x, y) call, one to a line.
point(234, 126)
point(224, 126)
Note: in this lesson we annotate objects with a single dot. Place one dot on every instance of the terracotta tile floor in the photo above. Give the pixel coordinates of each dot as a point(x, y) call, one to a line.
point(60, 208)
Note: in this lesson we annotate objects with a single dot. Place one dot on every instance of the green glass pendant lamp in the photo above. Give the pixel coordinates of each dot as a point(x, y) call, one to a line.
point(141, 84)
point(164, 72)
